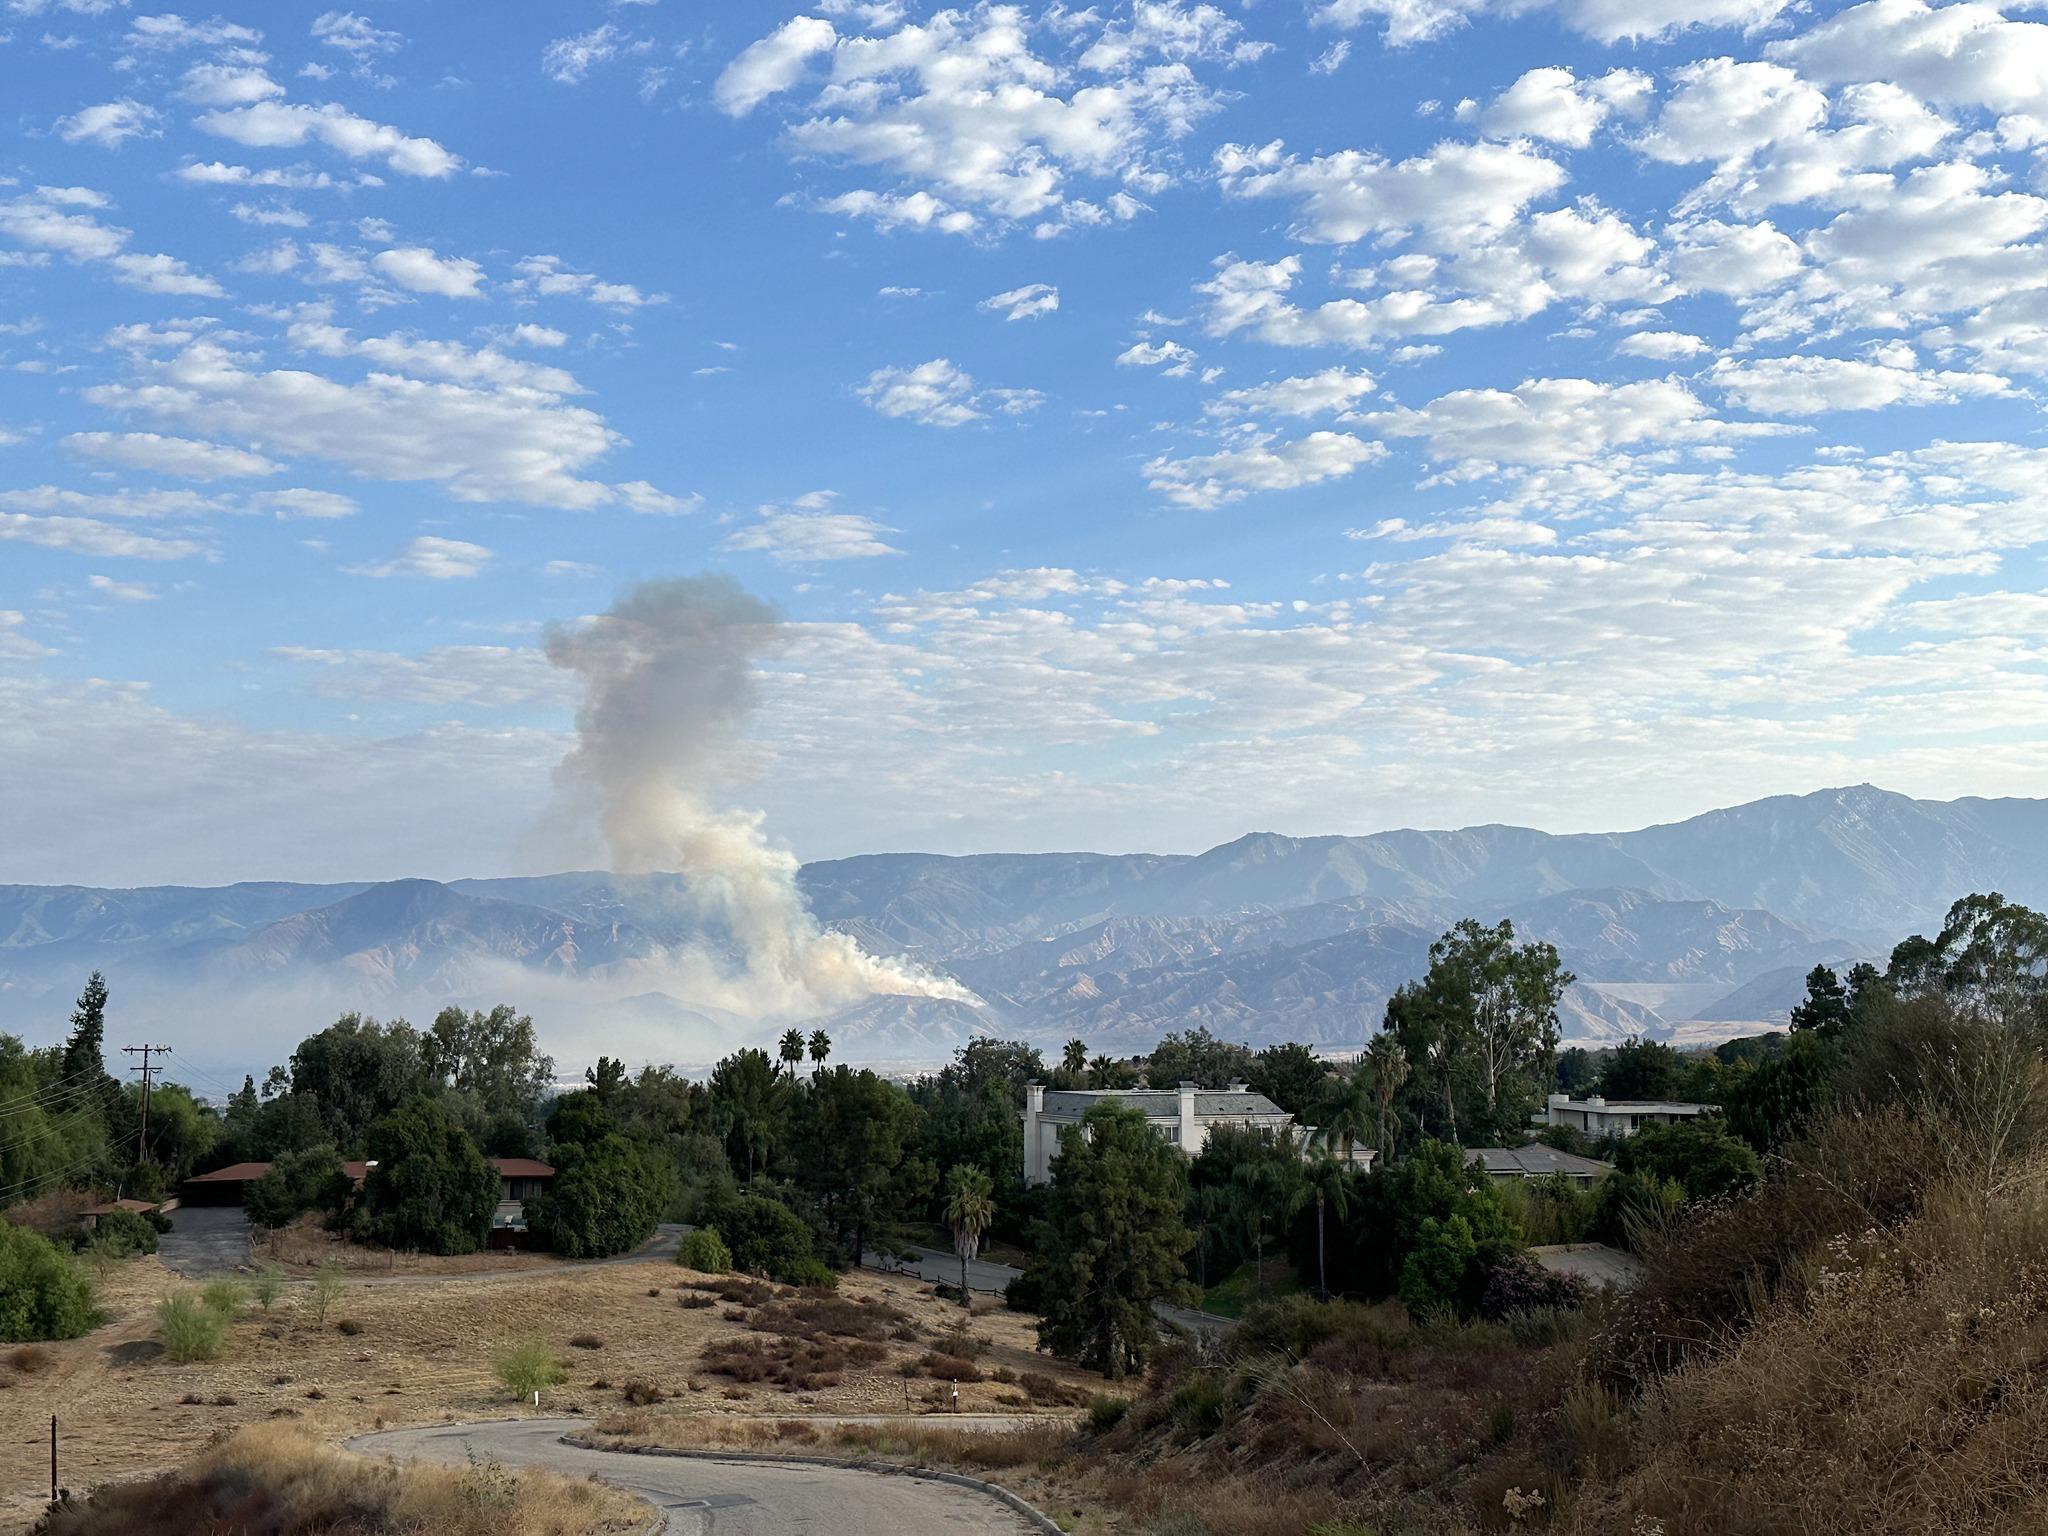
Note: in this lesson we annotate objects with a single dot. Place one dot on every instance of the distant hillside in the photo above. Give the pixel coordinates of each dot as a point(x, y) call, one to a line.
point(1690, 930)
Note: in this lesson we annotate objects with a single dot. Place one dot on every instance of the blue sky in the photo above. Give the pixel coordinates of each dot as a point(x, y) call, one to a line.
point(1154, 422)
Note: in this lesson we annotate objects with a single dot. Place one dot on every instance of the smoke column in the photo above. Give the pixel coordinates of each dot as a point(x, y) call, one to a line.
point(668, 686)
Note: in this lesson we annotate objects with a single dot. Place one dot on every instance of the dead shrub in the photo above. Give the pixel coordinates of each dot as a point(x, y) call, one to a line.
point(951, 1367)
point(586, 1341)
point(791, 1363)
point(696, 1302)
point(30, 1359)
point(642, 1394)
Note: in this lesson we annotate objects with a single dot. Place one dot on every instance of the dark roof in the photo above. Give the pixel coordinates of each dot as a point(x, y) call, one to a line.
point(138, 1206)
point(1536, 1160)
point(521, 1167)
point(234, 1173)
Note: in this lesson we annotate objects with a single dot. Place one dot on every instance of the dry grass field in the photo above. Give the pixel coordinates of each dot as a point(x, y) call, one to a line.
point(270, 1479)
point(419, 1350)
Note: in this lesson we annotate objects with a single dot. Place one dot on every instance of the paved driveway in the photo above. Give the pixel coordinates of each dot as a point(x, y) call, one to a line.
point(205, 1240)
point(931, 1264)
point(700, 1496)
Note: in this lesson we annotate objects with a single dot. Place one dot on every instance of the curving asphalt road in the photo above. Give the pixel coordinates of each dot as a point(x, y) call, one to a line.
point(703, 1497)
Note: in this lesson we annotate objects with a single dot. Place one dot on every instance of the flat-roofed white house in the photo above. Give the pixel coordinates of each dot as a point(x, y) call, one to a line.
point(1184, 1116)
point(1598, 1117)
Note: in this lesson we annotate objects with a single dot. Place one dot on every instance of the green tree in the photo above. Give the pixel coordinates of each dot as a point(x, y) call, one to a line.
point(1775, 1101)
point(1074, 1060)
point(1825, 1008)
point(85, 1052)
point(791, 1050)
point(1990, 959)
point(765, 1237)
point(1433, 1275)
point(1702, 1156)
point(42, 1293)
point(608, 1081)
point(821, 1047)
point(1348, 1112)
point(431, 1188)
point(356, 1071)
point(606, 1198)
point(970, 1211)
point(1576, 1070)
point(491, 1059)
point(1641, 1069)
point(852, 1130)
point(1196, 1056)
point(750, 1106)
point(312, 1180)
point(1111, 1241)
point(1386, 1066)
point(1289, 1075)
point(1501, 998)
point(1329, 1183)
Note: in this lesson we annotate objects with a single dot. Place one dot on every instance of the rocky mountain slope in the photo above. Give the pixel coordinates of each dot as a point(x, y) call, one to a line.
point(1697, 928)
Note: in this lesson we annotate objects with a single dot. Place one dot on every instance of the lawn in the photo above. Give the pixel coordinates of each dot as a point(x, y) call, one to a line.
point(1230, 1296)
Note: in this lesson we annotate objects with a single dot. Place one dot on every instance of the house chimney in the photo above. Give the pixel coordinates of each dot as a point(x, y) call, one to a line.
point(1190, 1142)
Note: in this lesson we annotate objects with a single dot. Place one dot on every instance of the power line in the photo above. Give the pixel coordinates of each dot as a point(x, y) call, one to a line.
point(78, 1082)
point(144, 1051)
point(70, 1118)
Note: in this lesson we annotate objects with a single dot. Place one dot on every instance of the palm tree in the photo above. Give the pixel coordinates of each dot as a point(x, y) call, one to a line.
point(1388, 1067)
point(1328, 1181)
point(792, 1049)
point(821, 1047)
point(1075, 1059)
point(970, 1210)
point(1347, 1112)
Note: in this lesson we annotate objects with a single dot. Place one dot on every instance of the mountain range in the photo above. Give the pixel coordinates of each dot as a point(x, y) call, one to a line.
point(1694, 930)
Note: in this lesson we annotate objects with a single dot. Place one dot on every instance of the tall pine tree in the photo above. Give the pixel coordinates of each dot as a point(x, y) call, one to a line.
point(85, 1053)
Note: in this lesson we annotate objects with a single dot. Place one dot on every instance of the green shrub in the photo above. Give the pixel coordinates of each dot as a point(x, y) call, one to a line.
point(225, 1297)
point(1198, 1405)
point(431, 1188)
point(705, 1251)
point(42, 1293)
point(1434, 1275)
point(528, 1366)
point(1105, 1413)
point(122, 1234)
point(766, 1237)
point(189, 1329)
point(328, 1285)
point(266, 1287)
point(810, 1272)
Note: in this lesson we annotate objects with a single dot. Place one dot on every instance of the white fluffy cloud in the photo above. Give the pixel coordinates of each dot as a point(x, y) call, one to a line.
point(1407, 22)
point(1316, 394)
point(1552, 103)
point(479, 444)
point(809, 532)
point(1553, 422)
point(1212, 480)
point(1662, 346)
point(966, 110)
point(182, 457)
point(941, 394)
point(287, 125)
point(1453, 193)
point(64, 221)
point(420, 270)
point(772, 64)
point(1025, 303)
point(1810, 386)
point(432, 559)
point(550, 277)
point(110, 124)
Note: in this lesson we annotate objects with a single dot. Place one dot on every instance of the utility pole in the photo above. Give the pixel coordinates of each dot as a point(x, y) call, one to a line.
point(145, 1052)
